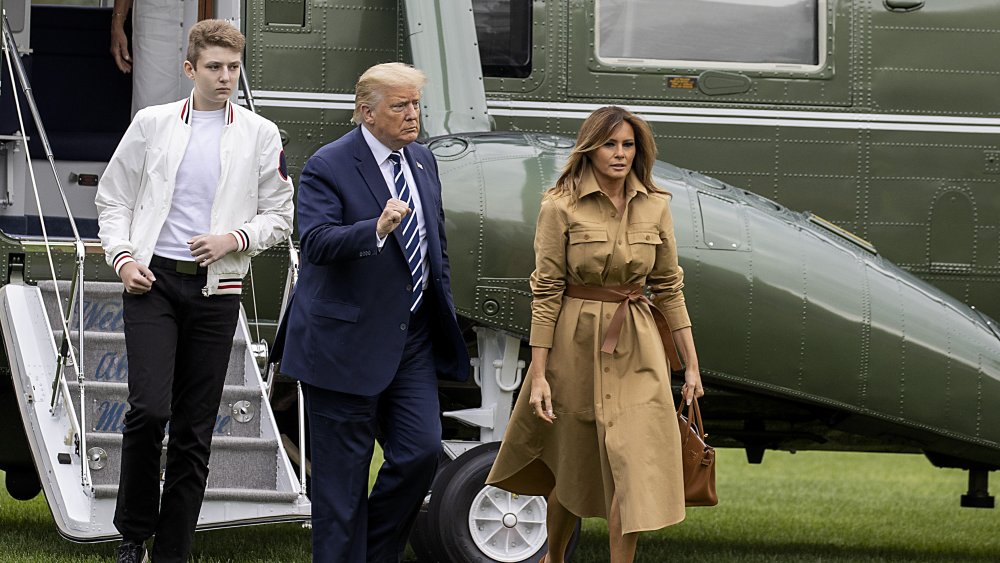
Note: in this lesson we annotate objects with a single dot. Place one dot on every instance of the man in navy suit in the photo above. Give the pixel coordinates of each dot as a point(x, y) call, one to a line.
point(372, 325)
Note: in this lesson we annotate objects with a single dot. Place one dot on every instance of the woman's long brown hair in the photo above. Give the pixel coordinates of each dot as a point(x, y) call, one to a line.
point(594, 132)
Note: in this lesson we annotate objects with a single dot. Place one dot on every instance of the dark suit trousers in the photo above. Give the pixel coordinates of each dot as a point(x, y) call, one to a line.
point(178, 343)
point(349, 526)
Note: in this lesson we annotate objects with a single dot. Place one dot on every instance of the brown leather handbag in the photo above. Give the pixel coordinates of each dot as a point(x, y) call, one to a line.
point(698, 458)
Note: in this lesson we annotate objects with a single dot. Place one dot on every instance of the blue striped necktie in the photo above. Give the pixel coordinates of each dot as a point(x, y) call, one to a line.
point(411, 240)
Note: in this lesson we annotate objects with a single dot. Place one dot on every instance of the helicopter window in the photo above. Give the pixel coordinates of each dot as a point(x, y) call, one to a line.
point(503, 28)
point(723, 32)
point(285, 12)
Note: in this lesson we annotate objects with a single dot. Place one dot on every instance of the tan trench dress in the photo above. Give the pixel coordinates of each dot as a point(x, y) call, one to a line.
point(616, 429)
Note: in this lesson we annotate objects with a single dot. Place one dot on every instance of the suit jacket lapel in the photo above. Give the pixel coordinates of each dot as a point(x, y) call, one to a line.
point(369, 170)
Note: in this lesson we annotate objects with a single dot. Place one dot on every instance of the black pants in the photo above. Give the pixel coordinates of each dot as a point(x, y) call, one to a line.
point(178, 343)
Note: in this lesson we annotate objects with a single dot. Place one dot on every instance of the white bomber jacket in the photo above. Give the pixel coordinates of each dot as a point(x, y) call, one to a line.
point(253, 201)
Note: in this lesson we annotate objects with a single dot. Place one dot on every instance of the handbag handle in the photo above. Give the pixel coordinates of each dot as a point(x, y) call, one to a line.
point(693, 417)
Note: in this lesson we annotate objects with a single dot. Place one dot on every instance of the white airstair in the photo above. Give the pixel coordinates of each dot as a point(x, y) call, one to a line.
point(250, 477)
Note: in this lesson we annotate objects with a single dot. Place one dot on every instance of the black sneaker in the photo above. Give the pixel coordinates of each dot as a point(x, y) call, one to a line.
point(131, 552)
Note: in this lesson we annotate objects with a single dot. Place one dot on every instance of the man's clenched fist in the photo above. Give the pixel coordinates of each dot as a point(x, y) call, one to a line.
point(393, 214)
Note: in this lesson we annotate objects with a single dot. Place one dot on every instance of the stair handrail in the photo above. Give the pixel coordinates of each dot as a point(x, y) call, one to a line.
point(66, 355)
point(245, 86)
point(248, 96)
point(290, 280)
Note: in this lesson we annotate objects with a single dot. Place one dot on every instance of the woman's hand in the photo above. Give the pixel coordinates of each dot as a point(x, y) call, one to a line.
point(540, 398)
point(684, 341)
point(692, 385)
point(119, 48)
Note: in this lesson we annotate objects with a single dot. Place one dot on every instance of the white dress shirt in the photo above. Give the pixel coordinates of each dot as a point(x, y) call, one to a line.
point(381, 154)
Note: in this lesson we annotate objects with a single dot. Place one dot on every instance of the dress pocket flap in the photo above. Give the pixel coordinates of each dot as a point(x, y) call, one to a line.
point(589, 234)
point(644, 237)
point(335, 310)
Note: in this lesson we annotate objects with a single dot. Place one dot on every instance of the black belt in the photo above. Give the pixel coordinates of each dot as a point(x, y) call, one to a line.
point(189, 267)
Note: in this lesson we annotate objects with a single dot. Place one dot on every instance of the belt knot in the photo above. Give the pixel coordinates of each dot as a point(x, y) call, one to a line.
point(623, 295)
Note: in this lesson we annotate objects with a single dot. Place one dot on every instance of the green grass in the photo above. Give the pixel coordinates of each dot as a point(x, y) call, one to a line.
point(808, 507)
point(824, 507)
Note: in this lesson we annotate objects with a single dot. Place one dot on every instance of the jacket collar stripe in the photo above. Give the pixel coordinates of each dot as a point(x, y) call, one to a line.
point(189, 105)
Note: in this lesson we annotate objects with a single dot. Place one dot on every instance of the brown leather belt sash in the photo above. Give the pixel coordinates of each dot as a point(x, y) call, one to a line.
point(623, 295)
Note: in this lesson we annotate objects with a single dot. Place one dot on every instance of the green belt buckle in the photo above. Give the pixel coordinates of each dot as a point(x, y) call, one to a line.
point(186, 267)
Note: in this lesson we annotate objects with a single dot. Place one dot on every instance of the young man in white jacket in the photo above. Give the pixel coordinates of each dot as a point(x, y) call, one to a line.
point(195, 188)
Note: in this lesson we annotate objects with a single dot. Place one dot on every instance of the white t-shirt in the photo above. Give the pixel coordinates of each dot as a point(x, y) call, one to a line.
point(195, 186)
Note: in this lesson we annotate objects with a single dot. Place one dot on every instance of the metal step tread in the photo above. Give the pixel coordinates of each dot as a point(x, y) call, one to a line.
point(88, 286)
point(108, 387)
point(236, 462)
point(105, 356)
point(220, 442)
point(99, 337)
point(219, 494)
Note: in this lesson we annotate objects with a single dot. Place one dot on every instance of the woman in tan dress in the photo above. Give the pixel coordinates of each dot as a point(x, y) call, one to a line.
point(594, 428)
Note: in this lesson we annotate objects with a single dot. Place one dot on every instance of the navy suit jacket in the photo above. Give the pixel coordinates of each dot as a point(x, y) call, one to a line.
point(346, 326)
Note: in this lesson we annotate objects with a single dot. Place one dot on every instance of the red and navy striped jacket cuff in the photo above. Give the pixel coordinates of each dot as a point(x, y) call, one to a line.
point(122, 258)
point(242, 239)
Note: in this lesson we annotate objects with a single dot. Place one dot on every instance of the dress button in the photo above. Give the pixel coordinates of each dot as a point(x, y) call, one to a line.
point(619, 242)
point(607, 315)
point(409, 288)
point(614, 214)
point(586, 237)
point(647, 237)
point(402, 326)
point(607, 369)
point(610, 424)
point(608, 396)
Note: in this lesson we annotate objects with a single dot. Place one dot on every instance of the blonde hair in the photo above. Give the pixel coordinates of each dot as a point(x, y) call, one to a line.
point(213, 33)
point(594, 132)
point(373, 83)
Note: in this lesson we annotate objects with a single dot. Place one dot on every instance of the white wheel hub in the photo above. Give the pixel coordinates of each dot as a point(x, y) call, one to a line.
point(507, 527)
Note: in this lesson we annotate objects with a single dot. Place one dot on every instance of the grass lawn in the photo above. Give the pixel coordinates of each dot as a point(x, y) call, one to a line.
point(808, 507)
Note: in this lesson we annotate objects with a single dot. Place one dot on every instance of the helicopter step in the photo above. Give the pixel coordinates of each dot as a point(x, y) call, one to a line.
point(237, 463)
point(251, 479)
point(106, 360)
point(107, 403)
